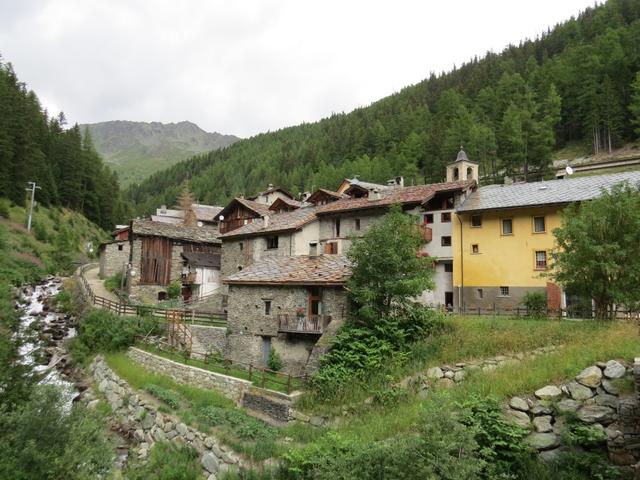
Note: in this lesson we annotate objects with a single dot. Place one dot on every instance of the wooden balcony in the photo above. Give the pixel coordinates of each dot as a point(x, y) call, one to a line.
point(313, 324)
point(189, 278)
point(233, 224)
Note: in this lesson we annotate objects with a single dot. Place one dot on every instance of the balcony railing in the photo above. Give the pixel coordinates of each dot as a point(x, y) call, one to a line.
point(315, 324)
point(233, 224)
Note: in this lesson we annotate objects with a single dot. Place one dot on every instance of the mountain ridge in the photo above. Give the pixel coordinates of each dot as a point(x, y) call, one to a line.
point(136, 149)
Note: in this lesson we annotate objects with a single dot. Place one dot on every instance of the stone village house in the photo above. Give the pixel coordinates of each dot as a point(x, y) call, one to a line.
point(114, 255)
point(162, 253)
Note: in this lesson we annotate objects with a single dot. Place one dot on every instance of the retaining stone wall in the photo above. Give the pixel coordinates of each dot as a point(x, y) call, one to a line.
point(147, 425)
point(230, 387)
point(211, 338)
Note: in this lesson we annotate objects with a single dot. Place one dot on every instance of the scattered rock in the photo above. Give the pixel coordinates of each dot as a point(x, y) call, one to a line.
point(445, 383)
point(543, 441)
point(435, 373)
point(614, 369)
point(550, 456)
point(518, 403)
point(459, 376)
point(449, 374)
point(543, 424)
point(590, 377)
point(550, 392)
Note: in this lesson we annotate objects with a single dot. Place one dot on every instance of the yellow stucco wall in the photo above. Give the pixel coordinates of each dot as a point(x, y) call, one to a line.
point(507, 260)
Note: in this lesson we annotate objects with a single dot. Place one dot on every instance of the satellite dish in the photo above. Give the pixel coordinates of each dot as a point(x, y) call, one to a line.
point(200, 224)
point(569, 170)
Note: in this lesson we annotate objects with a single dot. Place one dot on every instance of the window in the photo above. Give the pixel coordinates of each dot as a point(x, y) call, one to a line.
point(239, 268)
point(479, 294)
point(331, 248)
point(538, 225)
point(336, 227)
point(272, 242)
point(504, 291)
point(427, 218)
point(448, 267)
point(120, 247)
point(445, 241)
point(445, 217)
point(475, 249)
point(241, 246)
point(267, 307)
point(469, 173)
point(456, 174)
point(313, 249)
point(541, 260)
point(357, 222)
point(476, 221)
point(507, 226)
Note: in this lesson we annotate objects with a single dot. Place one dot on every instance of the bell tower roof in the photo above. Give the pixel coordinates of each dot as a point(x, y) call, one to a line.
point(462, 157)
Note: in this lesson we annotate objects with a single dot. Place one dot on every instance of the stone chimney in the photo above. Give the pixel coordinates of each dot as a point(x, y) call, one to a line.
point(265, 218)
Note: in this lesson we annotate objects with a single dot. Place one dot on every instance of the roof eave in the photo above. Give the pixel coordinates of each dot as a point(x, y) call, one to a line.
point(284, 283)
point(534, 205)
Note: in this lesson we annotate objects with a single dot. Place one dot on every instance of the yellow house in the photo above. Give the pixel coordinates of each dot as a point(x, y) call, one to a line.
point(503, 239)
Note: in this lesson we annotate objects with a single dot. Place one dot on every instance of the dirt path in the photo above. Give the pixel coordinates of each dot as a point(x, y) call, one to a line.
point(97, 285)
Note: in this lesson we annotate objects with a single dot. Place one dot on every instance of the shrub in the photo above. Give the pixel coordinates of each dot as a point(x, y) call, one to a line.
point(169, 397)
point(113, 282)
point(174, 289)
point(536, 304)
point(102, 331)
point(274, 361)
point(167, 462)
point(501, 442)
point(4, 208)
point(241, 424)
point(40, 232)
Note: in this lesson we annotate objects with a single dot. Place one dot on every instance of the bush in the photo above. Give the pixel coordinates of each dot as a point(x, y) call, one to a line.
point(536, 304)
point(4, 208)
point(102, 331)
point(40, 232)
point(274, 361)
point(169, 397)
point(167, 462)
point(113, 282)
point(241, 424)
point(174, 290)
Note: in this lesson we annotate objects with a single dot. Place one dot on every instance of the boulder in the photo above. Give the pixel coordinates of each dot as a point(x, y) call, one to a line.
point(540, 409)
point(596, 413)
point(568, 405)
point(518, 403)
point(543, 441)
point(435, 373)
point(543, 424)
point(210, 462)
point(578, 391)
point(610, 387)
point(614, 369)
point(590, 377)
point(550, 392)
point(449, 374)
point(550, 456)
point(459, 376)
point(517, 417)
point(446, 383)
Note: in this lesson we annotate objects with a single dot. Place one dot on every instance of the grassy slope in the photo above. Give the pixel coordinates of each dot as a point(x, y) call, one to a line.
point(27, 256)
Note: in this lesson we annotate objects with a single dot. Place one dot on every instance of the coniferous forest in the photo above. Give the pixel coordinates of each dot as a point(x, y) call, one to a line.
point(63, 162)
point(574, 84)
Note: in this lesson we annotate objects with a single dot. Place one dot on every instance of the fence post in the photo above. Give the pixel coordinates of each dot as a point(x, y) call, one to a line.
point(250, 371)
point(289, 384)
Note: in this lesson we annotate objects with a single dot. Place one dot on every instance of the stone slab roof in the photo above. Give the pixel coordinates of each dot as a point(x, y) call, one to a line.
point(552, 192)
point(176, 232)
point(201, 259)
point(407, 195)
point(278, 222)
point(294, 270)
point(258, 208)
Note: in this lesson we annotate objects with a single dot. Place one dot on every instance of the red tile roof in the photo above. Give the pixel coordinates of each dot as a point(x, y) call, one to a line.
point(407, 195)
point(294, 270)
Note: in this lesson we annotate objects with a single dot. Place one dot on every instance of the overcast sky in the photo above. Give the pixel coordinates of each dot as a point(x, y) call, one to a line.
point(248, 66)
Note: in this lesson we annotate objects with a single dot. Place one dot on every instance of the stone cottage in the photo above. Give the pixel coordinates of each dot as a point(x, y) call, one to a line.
point(162, 253)
point(286, 303)
point(114, 254)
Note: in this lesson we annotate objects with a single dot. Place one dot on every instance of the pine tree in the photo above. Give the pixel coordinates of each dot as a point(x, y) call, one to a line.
point(634, 105)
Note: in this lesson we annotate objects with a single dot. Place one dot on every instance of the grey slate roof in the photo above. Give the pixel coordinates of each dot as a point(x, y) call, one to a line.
point(176, 232)
point(552, 192)
point(201, 259)
point(294, 270)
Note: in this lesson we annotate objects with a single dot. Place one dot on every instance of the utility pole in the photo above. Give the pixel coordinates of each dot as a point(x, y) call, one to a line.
point(32, 187)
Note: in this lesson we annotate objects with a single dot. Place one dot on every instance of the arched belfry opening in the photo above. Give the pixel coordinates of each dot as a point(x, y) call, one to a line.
point(462, 168)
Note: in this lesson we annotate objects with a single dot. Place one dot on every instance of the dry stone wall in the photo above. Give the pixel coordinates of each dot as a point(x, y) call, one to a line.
point(147, 425)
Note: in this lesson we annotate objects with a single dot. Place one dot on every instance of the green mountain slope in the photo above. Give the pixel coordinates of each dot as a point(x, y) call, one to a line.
point(135, 150)
point(510, 110)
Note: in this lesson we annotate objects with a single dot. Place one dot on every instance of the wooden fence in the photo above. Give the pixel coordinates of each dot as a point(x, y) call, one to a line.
point(559, 313)
point(188, 315)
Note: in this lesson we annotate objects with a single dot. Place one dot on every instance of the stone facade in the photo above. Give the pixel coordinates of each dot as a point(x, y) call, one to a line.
point(113, 257)
point(252, 332)
point(212, 339)
point(490, 298)
point(146, 425)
